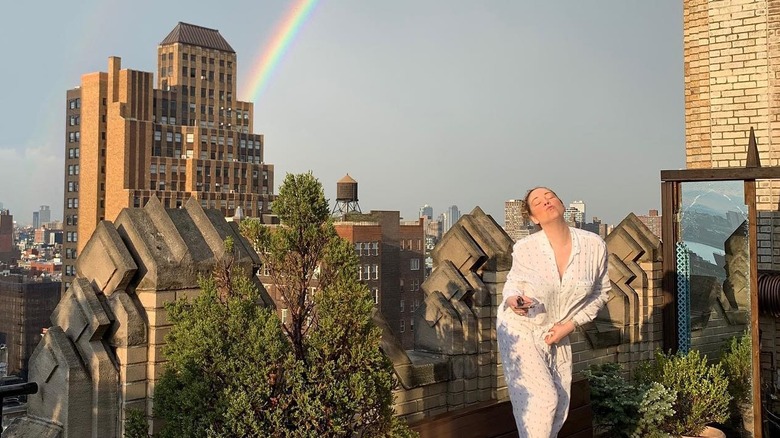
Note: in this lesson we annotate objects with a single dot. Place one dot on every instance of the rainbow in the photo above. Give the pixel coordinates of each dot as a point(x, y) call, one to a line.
point(283, 36)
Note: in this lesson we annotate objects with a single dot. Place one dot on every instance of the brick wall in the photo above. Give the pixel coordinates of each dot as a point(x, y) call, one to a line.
point(732, 83)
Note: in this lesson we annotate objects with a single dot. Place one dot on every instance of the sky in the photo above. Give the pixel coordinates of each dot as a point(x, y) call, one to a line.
point(445, 102)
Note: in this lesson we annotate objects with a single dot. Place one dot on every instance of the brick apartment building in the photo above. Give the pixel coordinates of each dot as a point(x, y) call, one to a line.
point(129, 138)
point(392, 264)
point(25, 305)
point(8, 252)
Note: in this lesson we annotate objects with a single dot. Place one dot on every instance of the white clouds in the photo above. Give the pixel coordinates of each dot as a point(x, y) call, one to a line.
point(30, 177)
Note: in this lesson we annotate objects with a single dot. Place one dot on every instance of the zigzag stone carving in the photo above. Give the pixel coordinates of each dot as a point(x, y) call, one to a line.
point(455, 359)
point(103, 353)
point(630, 307)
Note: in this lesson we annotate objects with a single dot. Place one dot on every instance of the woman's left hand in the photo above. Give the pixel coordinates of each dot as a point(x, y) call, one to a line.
point(559, 331)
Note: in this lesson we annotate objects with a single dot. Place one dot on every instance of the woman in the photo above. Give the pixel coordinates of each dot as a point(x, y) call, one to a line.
point(558, 281)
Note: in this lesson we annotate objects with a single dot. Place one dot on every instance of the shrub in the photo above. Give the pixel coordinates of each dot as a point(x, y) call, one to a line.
point(622, 409)
point(701, 391)
point(135, 424)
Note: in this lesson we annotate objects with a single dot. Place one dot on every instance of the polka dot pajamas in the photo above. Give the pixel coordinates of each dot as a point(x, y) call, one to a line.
point(538, 376)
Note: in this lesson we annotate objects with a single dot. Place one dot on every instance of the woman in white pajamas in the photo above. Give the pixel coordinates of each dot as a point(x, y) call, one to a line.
point(558, 281)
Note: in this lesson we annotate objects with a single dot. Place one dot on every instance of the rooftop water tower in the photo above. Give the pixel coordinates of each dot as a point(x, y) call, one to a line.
point(346, 196)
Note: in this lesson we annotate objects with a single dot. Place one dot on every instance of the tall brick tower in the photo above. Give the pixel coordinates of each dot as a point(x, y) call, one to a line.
point(732, 83)
point(127, 140)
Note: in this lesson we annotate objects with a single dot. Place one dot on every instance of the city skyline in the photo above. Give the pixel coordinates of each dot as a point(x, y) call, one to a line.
point(482, 96)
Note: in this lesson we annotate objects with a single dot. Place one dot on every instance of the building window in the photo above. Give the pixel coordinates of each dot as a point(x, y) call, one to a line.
point(284, 316)
point(402, 305)
point(375, 247)
point(402, 244)
point(403, 326)
point(357, 248)
point(414, 264)
point(376, 272)
point(411, 325)
point(375, 293)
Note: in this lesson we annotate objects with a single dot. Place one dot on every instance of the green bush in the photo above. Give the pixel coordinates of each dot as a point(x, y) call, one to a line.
point(624, 410)
point(737, 362)
point(737, 359)
point(701, 391)
point(135, 424)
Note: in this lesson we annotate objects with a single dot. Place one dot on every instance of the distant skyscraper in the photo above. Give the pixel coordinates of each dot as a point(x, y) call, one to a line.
point(450, 217)
point(36, 220)
point(426, 211)
point(580, 215)
point(44, 214)
point(187, 136)
point(515, 223)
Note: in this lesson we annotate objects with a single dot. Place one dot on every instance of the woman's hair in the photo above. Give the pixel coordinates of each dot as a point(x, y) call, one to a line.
point(527, 205)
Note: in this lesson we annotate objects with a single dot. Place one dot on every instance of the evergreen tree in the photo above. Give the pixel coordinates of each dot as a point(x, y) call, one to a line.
point(235, 370)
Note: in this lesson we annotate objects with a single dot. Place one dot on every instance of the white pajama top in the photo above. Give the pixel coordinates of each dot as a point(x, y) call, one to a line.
point(538, 376)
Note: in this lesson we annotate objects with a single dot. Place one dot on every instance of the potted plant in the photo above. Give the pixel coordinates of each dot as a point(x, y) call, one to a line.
point(736, 360)
point(701, 392)
point(625, 410)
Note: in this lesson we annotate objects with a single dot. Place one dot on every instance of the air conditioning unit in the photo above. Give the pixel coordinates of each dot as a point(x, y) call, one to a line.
point(232, 192)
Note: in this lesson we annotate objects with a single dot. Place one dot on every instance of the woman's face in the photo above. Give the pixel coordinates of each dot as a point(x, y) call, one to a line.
point(544, 206)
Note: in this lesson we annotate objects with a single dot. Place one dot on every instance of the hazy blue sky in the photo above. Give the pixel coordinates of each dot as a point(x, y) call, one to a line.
point(439, 102)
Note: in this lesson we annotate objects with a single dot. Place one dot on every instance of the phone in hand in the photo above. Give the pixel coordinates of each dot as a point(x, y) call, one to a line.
point(525, 305)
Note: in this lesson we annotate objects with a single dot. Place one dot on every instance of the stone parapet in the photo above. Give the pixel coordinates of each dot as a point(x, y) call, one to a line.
point(455, 363)
point(103, 354)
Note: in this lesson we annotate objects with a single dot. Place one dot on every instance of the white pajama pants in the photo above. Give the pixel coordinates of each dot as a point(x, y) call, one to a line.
point(538, 379)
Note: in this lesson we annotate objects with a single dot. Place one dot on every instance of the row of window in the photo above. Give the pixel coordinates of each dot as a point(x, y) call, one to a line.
point(414, 285)
point(406, 244)
point(74, 120)
point(367, 248)
point(72, 219)
point(73, 169)
point(204, 74)
point(173, 137)
point(413, 307)
point(203, 59)
point(73, 152)
point(73, 202)
point(71, 236)
point(73, 186)
point(223, 171)
point(403, 325)
point(193, 58)
point(74, 136)
point(70, 270)
point(70, 253)
point(74, 103)
point(368, 272)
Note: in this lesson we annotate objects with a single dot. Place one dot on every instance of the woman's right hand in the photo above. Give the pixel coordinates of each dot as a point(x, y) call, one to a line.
point(520, 304)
